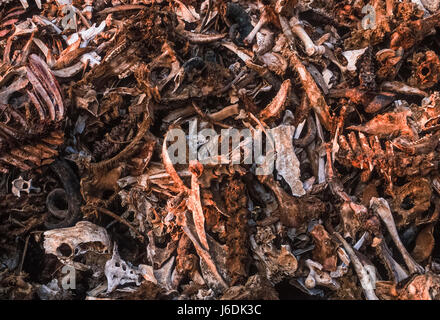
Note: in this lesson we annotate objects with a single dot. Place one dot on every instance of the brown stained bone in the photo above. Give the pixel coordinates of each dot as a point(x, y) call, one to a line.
point(199, 38)
point(412, 200)
point(390, 124)
point(237, 231)
point(43, 73)
point(257, 287)
point(406, 35)
point(325, 250)
point(389, 62)
point(421, 287)
point(367, 153)
point(195, 205)
point(400, 87)
point(425, 243)
point(276, 264)
point(188, 228)
point(32, 140)
point(313, 93)
point(276, 107)
point(372, 102)
point(293, 211)
point(426, 69)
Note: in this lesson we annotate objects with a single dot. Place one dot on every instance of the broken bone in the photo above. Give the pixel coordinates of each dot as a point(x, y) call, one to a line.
point(363, 274)
point(261, 22)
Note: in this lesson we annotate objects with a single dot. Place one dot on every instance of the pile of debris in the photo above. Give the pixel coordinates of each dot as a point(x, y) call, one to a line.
point(212, 149)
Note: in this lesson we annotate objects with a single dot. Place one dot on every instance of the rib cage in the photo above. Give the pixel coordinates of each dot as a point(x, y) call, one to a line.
point(30, 140)
point(367, 154)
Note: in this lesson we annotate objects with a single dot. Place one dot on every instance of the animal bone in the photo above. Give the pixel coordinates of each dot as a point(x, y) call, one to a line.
point(20, 185)
point(276, 107)
point(380, 207)
point(286, 158)
point(314, 95)
point(399, 273)
point(119, 272)
point(310, 48)
point(352, 57)
point(363, 274)
point(266, 16)
point(277, 264)
point(317, 277)
point(411, 201)
point(401, 87)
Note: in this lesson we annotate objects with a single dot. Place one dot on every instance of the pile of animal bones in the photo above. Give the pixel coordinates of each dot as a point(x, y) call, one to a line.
point(92, 205)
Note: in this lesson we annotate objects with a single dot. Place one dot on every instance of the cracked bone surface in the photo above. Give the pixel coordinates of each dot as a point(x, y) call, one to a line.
point(309, 45)
point(381, 207)
point(398, 272)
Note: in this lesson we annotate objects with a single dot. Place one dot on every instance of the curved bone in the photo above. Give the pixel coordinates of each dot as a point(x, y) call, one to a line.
point(43, 73)
point(73, 196)
point(309, 136)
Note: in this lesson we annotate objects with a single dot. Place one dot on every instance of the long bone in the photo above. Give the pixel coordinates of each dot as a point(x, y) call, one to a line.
point(309, 45)
point(380, 207)
point(361, 271)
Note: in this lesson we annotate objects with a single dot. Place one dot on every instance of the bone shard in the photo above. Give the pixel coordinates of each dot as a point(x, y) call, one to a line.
point(287, 164)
